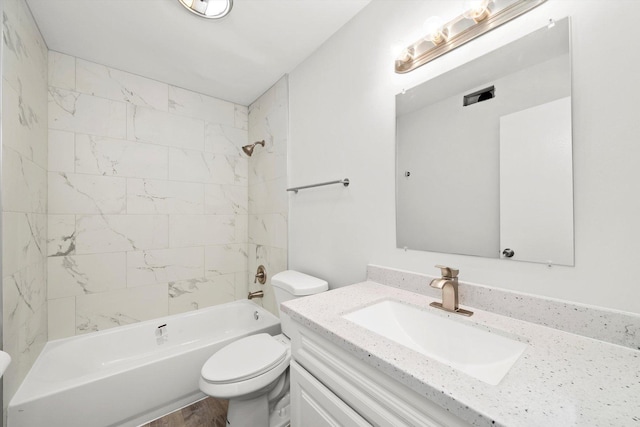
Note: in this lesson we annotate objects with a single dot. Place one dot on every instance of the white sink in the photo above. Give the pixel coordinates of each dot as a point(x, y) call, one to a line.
point(481, 354)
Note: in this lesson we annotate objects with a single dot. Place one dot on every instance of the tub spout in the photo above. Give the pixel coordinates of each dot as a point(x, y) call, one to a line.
point(256, 294)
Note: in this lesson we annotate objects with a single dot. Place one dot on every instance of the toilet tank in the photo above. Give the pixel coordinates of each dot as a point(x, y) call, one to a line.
point(290, 284)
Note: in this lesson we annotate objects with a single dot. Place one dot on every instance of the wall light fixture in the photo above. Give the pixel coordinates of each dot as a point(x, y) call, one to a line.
point(478, 17)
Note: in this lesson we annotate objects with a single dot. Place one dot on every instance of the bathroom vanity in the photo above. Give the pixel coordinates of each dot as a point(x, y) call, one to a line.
point(343, 372)
point(330, 386)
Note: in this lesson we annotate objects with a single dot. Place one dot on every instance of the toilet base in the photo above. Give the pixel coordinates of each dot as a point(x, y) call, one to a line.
point(280, 416)
point(248, 413)
point(255, 412)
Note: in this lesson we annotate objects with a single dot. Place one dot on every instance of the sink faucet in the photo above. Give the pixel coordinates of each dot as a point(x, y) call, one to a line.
point(449, 285)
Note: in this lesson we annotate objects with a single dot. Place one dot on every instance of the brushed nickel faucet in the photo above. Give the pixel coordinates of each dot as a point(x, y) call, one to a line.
point(255, 294)
point(449, 285)
point(261, 275)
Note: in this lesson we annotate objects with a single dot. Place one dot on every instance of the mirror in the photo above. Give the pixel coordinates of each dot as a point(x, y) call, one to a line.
point(484, 155)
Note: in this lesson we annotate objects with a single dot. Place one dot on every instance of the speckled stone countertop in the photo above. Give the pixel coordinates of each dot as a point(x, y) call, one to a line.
point(561, 379)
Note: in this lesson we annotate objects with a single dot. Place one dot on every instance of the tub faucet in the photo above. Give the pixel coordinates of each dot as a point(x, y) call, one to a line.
point(261, 275)
point(256, 294)
point(449, 285)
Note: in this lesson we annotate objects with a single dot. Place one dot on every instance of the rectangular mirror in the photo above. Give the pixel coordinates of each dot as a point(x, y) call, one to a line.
point(484, 155)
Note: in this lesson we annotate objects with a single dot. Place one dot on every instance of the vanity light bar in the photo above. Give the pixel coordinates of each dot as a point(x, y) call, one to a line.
point(461, 30)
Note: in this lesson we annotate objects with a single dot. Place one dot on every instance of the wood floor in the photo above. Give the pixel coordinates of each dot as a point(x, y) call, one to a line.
point(209, 412)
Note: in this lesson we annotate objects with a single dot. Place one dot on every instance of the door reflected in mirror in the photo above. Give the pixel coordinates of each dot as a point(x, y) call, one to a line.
point(484, 155)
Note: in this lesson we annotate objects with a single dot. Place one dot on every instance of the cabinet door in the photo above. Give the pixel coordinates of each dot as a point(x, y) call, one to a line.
point(314, 405)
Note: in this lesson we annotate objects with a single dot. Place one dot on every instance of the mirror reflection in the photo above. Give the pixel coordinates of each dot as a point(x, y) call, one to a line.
point(484, 163)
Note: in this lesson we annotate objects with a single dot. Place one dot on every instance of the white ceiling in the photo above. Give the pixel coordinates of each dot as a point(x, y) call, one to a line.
point(236, 58)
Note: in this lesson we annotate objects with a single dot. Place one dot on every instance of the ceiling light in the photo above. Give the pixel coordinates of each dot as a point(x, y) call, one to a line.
point(212, 9)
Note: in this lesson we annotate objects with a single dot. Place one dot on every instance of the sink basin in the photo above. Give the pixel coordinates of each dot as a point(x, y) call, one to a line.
point(476, 352)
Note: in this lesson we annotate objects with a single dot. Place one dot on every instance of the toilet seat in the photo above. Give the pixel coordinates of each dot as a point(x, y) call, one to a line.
point(244, 359)
point(245, 366)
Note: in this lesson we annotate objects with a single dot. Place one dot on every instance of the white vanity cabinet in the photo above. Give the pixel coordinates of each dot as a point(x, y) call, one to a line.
point(316, 406)
point(330, 387)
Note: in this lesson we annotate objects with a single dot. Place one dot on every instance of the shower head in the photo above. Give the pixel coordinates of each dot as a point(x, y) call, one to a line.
point(248, 149)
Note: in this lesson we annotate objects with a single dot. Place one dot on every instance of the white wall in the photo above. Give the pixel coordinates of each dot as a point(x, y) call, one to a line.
point(342, 125)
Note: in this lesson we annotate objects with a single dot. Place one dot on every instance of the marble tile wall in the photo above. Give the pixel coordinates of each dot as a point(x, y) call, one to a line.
point(268, 199)
point(24, 192)
point(148, 198)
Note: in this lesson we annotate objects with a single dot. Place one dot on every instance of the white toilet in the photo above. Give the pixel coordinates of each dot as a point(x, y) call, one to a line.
point(253, 372)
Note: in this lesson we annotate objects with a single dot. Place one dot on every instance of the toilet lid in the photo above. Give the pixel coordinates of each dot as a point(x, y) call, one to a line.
point(243, 359)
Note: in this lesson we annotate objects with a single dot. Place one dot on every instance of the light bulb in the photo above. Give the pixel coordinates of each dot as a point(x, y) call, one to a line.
point(435, 31)
point(478, 10)
point(406, 54)
point(397, 50)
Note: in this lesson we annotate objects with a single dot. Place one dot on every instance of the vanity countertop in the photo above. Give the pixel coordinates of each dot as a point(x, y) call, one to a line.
point(561, 379)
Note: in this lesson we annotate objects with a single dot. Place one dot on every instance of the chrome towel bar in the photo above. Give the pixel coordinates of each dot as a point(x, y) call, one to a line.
point(344, 182)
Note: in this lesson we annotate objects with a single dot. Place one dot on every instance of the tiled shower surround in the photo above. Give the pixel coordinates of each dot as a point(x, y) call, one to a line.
point(268, 199)
point(24, 192)
point(148, 198)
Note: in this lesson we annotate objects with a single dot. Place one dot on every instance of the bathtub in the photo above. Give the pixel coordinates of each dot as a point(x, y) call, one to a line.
point(129, 375)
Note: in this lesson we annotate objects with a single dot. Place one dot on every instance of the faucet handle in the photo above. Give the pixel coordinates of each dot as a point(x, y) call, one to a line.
point(448, 272)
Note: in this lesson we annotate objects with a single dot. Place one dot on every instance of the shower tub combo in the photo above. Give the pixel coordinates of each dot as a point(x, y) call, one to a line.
point(129, 375)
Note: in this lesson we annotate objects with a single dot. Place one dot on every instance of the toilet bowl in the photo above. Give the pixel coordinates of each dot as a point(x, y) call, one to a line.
point(253, 372)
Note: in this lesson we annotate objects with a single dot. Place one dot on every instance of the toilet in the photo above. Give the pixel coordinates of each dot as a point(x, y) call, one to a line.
point(253, 372)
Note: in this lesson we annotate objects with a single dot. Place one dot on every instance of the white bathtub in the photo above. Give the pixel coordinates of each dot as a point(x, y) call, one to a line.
point(127, 376)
